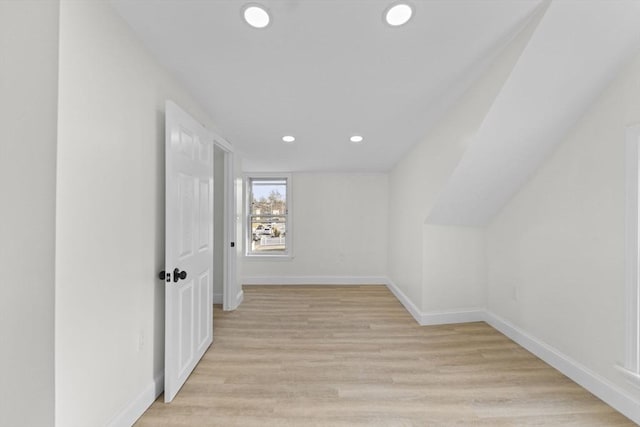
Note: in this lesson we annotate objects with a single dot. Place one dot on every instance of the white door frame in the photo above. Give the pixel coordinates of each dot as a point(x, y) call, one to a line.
point(229, 286)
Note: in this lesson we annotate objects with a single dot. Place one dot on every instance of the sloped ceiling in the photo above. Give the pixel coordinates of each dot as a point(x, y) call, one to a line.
point(325, 70)
point(576, 50)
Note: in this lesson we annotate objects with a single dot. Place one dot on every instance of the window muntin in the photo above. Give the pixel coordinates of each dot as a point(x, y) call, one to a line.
point(268, 223)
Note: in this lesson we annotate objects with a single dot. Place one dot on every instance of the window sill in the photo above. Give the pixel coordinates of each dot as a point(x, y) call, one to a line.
point(632, 377)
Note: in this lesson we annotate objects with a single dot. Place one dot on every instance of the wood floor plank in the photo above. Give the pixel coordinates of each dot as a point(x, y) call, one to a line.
point(352, 356)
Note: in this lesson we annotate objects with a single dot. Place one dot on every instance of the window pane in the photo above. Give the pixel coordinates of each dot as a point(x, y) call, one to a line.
point(268, 197)
point(268, 233)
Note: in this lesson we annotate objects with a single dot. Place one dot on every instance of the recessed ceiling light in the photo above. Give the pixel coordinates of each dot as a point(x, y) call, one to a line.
point(398, 14)
point(357, 139)
point(288, 138)
point(256, 15)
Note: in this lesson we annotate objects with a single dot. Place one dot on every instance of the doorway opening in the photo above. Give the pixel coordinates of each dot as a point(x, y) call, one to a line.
point(225, 287)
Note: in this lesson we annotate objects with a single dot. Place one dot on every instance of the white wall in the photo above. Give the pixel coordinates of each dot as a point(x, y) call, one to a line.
point(28, 84)
point(417, 179)
point(454, 268)
point(110, 221)
point(556, 252)
point(339, 228)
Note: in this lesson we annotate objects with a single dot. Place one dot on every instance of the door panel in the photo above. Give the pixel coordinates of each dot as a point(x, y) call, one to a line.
point(186, 326)
point(186, 231)
point(204, 208)
point(204, 301)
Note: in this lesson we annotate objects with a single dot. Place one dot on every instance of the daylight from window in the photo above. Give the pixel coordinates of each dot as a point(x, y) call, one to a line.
point(268, 215)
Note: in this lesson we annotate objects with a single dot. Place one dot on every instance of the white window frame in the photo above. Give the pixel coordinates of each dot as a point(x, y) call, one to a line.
point(631, 367)
point(288, 253)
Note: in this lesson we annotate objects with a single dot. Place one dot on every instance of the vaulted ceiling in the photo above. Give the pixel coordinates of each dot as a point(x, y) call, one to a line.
point(326, 70)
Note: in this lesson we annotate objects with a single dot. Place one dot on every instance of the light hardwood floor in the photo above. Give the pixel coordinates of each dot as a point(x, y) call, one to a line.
point(352, 356)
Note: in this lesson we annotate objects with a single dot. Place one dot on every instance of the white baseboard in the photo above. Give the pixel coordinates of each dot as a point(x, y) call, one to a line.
point(454, 316)
point(436, 318)
point(613, 395)
point(599, 386)
point(405, 301)
point(314, 280)
point(217, 298)
point(141, 403)
point(239, 298)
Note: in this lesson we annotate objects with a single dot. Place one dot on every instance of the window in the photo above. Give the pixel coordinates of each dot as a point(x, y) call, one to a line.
point(268, 229)
point(631, 366)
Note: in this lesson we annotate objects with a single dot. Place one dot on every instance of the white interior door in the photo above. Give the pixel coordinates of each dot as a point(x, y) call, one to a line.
point(189, 247)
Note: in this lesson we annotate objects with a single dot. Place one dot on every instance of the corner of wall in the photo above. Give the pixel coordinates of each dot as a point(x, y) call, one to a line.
point(454, 268)
point(417, 180)
point(29, 43)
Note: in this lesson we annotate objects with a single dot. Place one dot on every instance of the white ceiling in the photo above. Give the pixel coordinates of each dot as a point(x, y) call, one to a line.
point(325, 70)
